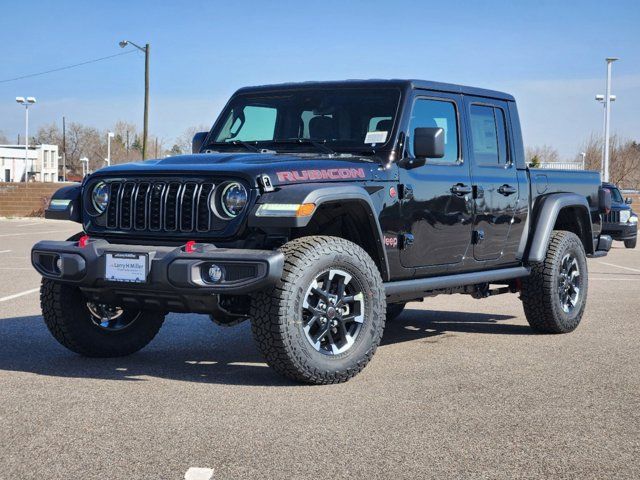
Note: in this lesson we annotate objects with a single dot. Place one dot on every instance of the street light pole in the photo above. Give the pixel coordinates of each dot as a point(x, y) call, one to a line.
point(85, 166)
point(110, 135)
point(145, 132)
point(607, 118)
point(26, 102)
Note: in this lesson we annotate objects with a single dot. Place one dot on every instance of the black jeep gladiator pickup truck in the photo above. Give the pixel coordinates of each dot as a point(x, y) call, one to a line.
point(316, 211)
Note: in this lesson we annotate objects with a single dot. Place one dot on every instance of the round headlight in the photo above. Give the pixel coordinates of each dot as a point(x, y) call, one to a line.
point(100, 197)
point(233, 199)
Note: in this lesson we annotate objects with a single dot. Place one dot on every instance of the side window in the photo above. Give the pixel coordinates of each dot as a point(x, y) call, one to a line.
point(488, 135)
point(436, 113)
point(251, 124)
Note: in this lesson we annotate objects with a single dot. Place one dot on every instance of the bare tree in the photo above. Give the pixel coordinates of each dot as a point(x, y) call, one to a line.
point(3, 139)
point(183, 142)
point(540, 154)
point(624, 159)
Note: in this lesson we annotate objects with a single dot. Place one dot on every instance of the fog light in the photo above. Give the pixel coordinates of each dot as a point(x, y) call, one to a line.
point(59, 264)
point(215, 273)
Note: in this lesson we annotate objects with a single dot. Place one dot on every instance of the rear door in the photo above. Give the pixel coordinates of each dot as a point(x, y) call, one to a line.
point(436, 208)
point(494, 178)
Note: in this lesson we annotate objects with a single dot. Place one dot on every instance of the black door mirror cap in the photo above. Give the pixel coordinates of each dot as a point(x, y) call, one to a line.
point(428, 142)
point(198, 140)
point(628, 200)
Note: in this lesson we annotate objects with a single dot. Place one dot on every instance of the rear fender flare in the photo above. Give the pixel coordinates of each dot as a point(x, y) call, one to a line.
point(548, 209)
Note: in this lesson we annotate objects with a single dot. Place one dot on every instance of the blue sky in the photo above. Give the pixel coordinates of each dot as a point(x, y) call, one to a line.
point(549, 54)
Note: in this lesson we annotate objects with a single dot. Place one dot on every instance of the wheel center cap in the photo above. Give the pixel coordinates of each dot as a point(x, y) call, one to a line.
point(331, 313)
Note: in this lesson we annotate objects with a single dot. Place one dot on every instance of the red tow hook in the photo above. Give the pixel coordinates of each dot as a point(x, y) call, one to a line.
point(83, 241)
point(190, 246)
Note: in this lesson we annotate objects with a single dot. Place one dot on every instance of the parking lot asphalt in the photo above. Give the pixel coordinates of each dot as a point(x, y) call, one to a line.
point(460, 388)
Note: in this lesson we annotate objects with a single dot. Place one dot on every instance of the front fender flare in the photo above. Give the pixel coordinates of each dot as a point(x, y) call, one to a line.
point(320, 194)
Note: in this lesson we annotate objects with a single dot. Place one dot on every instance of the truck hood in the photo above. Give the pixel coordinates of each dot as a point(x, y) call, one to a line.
point(280, 167)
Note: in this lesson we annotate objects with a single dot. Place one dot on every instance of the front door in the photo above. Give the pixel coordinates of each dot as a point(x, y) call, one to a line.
point(494, 178)
point(437, 205)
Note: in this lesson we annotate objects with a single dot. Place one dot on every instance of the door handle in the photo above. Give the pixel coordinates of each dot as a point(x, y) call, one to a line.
point(507, 190)
point(461, 189)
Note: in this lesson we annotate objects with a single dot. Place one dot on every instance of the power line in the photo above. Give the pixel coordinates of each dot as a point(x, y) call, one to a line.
point(67, 67)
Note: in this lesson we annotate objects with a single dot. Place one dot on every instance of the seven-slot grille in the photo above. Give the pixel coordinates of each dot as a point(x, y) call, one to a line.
point(161, 206)
point(612, 217)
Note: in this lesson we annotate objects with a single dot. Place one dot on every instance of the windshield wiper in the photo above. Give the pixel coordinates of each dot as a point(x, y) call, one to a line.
point(307, 141)
point(248, 146)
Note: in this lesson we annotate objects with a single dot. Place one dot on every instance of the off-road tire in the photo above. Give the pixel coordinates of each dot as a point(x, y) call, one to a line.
point(542, 304)
point(394, 310)
point(277, 312)
point(631, 243)
point(68, 319)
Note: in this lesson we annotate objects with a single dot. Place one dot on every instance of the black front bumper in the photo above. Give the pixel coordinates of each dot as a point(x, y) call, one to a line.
point(621, 231)
point(176, 280)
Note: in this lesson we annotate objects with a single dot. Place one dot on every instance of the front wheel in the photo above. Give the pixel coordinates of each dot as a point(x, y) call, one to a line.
point(554, 295)
point(324, 319)
point(631, 243)
point(93, 329)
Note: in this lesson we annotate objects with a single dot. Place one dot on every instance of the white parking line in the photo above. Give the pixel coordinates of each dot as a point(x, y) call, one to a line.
point(27, 224)
point(620, 266)
point(5, 251)
point(195, 473)
point(616, 279)
point(21, 294)
point(30, 233)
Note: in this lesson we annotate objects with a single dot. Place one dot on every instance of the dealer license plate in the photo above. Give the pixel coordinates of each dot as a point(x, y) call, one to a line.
point(126, 267)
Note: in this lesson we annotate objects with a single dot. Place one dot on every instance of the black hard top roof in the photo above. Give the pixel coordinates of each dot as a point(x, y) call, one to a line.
point(420, 84)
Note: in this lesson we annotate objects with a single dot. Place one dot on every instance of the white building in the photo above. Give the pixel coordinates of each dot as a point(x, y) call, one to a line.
point(40, 166)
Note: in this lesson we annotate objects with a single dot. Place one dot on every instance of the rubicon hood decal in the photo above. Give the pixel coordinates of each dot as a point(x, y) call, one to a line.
point(321, 174)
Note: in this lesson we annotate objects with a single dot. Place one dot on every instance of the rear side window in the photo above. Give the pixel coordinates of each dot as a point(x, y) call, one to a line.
point(436, 113)
point(489, 135)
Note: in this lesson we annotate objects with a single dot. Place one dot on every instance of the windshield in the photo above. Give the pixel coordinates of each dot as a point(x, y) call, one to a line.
point(340, 119)
point(616, 196)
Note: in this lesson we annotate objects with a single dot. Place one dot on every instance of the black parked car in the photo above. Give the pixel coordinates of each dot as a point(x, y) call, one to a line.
point(621, 223)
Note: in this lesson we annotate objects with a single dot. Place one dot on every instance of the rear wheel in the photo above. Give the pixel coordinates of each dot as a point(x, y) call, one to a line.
point(554, 295)
point(631, 243)
point(93, 329)
point(324, 319)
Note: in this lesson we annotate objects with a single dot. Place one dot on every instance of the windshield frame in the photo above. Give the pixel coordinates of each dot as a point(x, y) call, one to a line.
point(365, 149)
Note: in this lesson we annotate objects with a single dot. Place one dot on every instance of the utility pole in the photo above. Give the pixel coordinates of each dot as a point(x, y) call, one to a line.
point(607, 119)
point(146, 101)
point(64, 150)
point(145, 132)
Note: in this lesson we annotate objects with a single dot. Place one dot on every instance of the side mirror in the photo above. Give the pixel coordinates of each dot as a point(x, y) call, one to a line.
point(198, 140)
point(628, 200)
point(428, 142)
point(604, 200)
